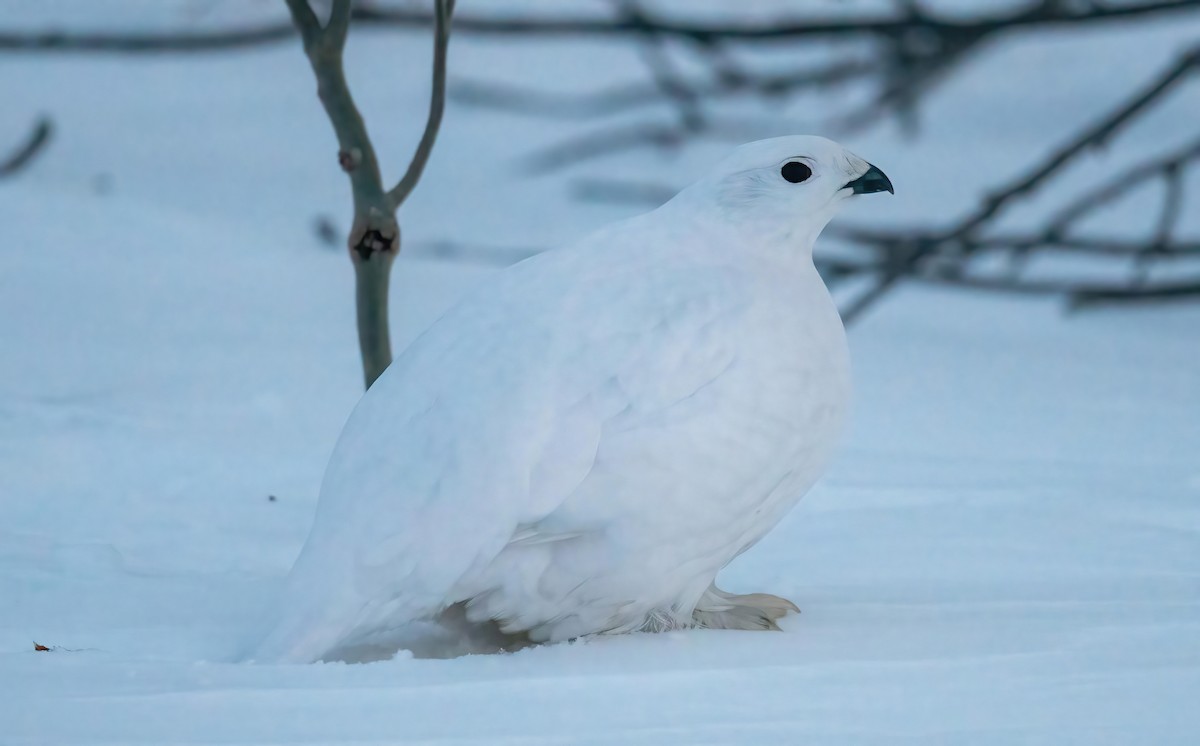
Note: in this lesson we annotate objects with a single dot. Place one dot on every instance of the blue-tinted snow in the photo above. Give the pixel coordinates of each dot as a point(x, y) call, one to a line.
point(1007, 551)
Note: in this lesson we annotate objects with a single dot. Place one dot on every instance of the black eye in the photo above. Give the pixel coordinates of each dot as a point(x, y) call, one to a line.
point(796, 172)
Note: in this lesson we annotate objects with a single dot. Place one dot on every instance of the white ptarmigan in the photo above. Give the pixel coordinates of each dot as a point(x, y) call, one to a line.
point(581, 445)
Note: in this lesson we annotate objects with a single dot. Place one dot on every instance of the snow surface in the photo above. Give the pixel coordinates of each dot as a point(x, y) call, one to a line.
point(1007, 550)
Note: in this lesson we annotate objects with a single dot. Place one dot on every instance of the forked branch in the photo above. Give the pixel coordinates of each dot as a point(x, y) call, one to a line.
point(374, 240)
point(961, 238)
point(912, 50)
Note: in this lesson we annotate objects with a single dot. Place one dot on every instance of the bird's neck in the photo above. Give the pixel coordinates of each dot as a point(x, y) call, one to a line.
point(788, 245)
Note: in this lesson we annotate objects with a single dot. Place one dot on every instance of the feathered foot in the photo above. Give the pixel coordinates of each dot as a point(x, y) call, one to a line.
point(720, 610)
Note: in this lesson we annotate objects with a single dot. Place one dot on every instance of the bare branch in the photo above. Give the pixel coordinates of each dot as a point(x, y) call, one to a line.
point(149, 43)
point(666, 78)
point(1094, 137)
point(615, 191)
point(497, 94)
point(1036, 16)
point(1118, 185)
point(962, 233)
point(656, 134)
point(34, 143)
point(886, 239)
point(451, 251)
point(1093, 296)
point(586, 147)
point(1078, 293)
point(1171, 205)
point(356, 154)
point(437, 105)
point(907, 78)
point(915, 51)
point(305, 21)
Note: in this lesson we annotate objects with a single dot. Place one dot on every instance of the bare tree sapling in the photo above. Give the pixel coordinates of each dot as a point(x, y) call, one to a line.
point(374, 239)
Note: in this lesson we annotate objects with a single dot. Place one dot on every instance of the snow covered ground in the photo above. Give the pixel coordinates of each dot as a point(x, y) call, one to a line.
point(1007, 551)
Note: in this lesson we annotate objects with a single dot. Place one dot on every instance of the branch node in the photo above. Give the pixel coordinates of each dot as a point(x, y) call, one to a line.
point(374, 243)
point(350, 159)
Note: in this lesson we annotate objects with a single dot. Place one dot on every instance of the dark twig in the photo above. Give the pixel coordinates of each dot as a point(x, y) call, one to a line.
point(623, 98)
point(1118, 185)
point(617, 139)
point(1079, 293)
point(834, 269)
point(909, 74)
point(144, 43)
point(1172, 204)
point(1085, 296)
point(625, 192)
point(35, 142)
point(1042, 14)
point(1103, 246)
point(666, 78)
point(961, 235)
point(1094, 137)
point(915, 51)
point(586, 147)
point(450, 251)
point(437, 106)
point(1037, 15)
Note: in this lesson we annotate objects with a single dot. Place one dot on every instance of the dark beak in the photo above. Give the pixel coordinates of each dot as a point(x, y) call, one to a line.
point(872, 181)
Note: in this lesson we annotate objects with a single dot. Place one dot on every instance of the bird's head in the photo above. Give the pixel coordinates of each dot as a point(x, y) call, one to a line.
point(788, 187)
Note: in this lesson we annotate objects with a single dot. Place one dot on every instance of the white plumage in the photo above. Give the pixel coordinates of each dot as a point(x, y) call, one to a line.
point(581, 445)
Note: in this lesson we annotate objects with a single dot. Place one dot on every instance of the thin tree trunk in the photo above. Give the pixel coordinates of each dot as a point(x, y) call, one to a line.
point(372, 276)
point(374, 240)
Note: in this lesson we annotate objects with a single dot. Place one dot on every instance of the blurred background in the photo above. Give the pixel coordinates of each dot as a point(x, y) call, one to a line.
point(177, 303)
